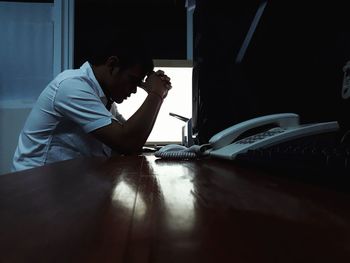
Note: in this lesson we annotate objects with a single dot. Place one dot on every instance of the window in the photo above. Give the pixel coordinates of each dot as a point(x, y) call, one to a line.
point(167, 129)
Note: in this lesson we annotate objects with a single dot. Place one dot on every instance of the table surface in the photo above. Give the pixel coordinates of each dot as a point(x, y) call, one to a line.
point(141, 209)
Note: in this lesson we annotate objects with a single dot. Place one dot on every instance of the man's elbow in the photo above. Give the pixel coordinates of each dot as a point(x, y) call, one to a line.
point(128, 149)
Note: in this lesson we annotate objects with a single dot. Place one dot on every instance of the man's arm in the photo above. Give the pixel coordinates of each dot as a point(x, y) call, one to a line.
point(130, 136)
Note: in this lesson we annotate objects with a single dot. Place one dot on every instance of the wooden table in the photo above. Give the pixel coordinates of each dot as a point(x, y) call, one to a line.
point(140, 209)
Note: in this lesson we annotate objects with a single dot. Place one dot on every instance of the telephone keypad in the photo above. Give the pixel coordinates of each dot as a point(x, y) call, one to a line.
point(260, 136)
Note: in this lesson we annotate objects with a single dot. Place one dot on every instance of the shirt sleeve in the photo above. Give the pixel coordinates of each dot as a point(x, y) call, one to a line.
point(77, 101)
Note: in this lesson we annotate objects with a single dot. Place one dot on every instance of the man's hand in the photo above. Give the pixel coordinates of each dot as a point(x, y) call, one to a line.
point(158, 83)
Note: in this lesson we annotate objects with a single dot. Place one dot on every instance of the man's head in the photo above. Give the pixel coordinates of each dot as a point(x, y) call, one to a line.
point(120, 66)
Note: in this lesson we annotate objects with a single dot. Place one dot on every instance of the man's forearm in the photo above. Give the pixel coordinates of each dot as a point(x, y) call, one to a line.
point(138, 127)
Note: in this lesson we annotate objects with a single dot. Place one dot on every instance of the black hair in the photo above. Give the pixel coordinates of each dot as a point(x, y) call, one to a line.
point(129, 49)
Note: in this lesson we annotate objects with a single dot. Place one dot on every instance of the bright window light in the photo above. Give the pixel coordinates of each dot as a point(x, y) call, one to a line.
point(167, 129)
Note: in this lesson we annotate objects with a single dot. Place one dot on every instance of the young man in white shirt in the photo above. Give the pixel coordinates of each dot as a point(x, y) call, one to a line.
point(72, 116)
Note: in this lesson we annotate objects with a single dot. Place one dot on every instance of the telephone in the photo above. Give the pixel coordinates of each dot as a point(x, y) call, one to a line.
point(227, 144)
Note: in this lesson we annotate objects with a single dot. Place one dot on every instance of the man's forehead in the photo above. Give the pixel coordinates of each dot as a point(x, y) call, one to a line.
point(136, 71)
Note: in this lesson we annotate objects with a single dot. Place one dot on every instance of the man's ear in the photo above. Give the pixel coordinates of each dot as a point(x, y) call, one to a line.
point(113, 64)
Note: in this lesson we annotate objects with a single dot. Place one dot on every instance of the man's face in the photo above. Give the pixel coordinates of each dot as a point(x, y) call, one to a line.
point(123, 83)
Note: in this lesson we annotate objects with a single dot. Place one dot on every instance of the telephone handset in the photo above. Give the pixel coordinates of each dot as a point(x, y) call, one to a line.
point(288, 128)
point(228, 135)
point(223, 144)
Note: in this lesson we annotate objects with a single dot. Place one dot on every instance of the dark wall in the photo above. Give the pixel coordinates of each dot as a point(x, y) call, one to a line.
point(297, 56)
point(161, 22)
point(293, 63)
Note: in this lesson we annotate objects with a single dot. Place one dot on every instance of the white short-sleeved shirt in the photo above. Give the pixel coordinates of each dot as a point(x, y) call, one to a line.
point(58, 127)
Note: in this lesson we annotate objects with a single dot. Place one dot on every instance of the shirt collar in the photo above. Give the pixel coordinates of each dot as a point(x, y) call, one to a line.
point(87, 68)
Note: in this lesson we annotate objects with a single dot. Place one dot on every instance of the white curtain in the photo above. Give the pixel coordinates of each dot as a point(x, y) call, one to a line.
point(26, 52)
point(26, 66)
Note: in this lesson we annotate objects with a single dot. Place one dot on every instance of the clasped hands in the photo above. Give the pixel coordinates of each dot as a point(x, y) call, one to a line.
point(157, 82)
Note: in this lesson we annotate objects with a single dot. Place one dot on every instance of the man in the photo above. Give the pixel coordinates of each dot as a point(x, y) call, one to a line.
point(72, 117)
